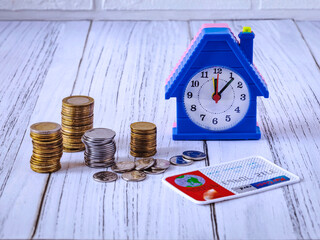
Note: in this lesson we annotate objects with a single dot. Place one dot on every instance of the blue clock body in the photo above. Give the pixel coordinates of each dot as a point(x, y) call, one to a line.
point(215, 46)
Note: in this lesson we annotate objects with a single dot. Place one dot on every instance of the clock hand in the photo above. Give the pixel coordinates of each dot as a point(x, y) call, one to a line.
point(214, 88)
point(224, 88)
point(216, 96)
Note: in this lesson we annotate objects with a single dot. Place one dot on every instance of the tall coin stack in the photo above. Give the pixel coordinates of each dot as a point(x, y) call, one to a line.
point(99, 147)
point(47, 147)
point(143, 139)
point(76, 118)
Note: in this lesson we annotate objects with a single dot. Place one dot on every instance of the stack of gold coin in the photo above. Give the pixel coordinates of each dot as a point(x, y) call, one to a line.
point(76, 118)
point(143, 139)
point(47, 147)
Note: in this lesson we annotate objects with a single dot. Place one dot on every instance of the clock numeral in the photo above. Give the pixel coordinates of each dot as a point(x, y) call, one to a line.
point(193, 108)
point(217, 70)
point(237, 110)
point(189, 94)
point(228, 118)
point(194, 83)
point(231, 77)
point(215, 121)
point(242, 97)
point(240, 85)
point(204, 74)
point(202, 116)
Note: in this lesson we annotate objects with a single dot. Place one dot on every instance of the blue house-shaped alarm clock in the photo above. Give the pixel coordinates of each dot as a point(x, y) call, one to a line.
point(216, 86)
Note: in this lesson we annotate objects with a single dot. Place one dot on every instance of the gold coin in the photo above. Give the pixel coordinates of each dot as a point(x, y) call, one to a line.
point(70, 150)
point(53, 168)
point(76, 128)
point(76, 122)
point(56, 141)
point(43, 155)
point(44, 164)
point(143, 126)
point(143, 155)
point(45, 128)
point(77, 100)
point(72, 134)
point(45, 136)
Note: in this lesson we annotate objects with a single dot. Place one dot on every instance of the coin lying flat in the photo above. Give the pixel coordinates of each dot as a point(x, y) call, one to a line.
point(125, 166)
point(78, 100)
point(45, 128)
point(180, 161)
point(161, 164)
point(105, 176)
point(194, 155)
point(154, 171)
point(134, 176)
point(100, 133)
point(144, 163)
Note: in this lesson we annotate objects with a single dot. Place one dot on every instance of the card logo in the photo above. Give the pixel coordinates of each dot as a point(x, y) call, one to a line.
point(189, 181)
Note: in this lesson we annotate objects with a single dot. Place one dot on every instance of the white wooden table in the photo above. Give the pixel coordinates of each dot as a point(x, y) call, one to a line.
point(123, 65)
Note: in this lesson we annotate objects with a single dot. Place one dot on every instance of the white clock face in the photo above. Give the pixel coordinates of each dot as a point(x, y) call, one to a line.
point(216, 99)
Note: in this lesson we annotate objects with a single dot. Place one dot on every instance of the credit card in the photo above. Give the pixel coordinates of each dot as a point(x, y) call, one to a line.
point(230, 180)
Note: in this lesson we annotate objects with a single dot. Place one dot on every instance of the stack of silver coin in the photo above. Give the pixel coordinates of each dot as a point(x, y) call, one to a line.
point(99, 147)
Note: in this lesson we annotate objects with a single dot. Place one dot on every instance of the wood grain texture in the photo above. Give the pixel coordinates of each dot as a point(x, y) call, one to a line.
point(310, 32)
point(289, 124)
point(40, 59)
point(124, 68)
point(123, 65)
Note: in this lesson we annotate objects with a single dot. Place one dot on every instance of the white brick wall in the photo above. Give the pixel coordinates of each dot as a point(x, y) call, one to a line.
point(46, 4)
point(158, 9)
point(175, 4)
point(289, 4)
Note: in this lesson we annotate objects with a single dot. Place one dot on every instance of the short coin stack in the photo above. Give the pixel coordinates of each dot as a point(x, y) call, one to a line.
point(143, 139)
point(99, 147)
point(47, 147)
point(76, 118)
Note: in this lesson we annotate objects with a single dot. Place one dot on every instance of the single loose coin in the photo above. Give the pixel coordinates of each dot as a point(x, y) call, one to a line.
point(125, 166)
point(134, 176)
point(45, 128)
point(161, 164)
point(194, 155)
point(105, 176)
point(144, 163)
point(180, 161)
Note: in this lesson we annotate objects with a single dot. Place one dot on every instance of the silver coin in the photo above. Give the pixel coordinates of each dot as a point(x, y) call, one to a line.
point(144, 163)
point(194, 155)
point(161, 164)
point(134, 176)
point(125, 166)
point(180, 161)
point(154, 171)
point(105, 176)
point(98, 165)
point(100, 133)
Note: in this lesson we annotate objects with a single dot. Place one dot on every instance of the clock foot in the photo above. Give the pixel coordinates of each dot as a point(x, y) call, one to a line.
point(216, 136)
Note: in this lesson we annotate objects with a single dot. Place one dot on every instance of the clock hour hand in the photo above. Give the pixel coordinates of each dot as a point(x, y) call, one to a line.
point(225, 86)
point(216, 96)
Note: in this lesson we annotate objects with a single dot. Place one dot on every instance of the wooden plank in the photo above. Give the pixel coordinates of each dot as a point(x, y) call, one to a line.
point(39, 64)
point(310, 32)
point(288, 121)
point(124, 68)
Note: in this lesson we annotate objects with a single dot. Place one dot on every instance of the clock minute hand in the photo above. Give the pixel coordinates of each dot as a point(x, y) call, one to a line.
point(225, 86)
